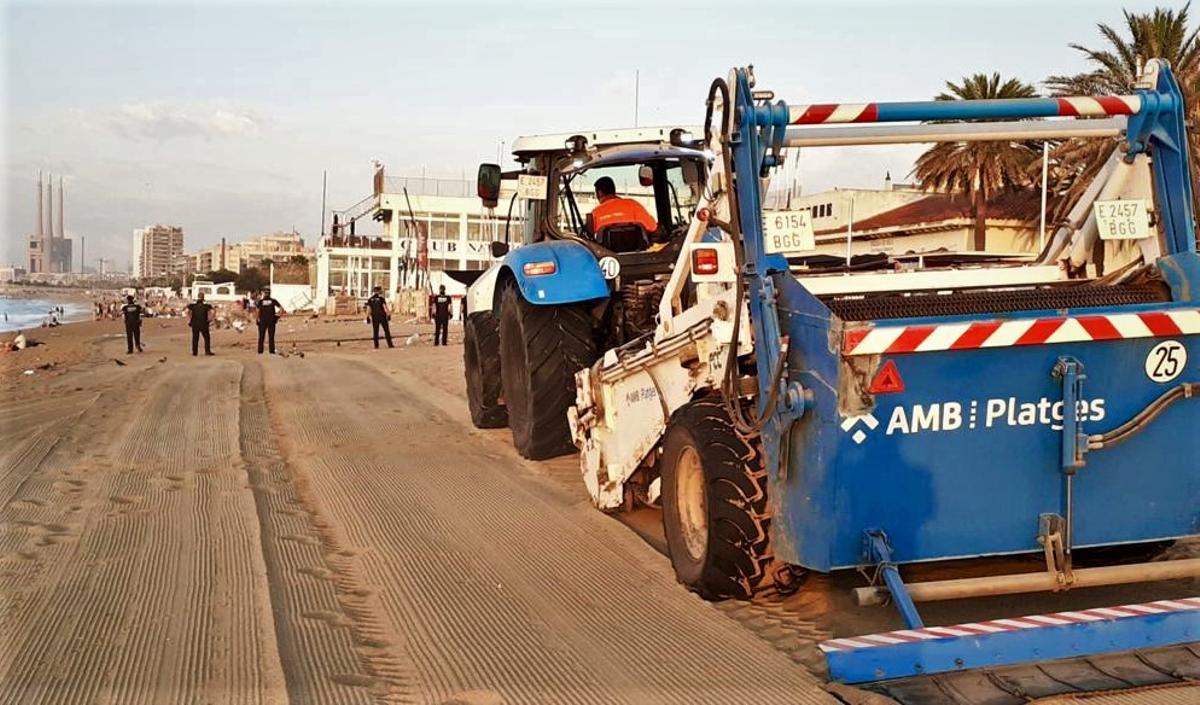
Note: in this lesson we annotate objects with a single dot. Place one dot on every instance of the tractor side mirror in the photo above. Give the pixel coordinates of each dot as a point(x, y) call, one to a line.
point(646, 176)
point(499, 249)
point(487, 185)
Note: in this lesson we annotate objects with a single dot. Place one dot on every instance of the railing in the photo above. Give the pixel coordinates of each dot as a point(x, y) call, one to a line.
point(429, 186)
point(356, 241)
point(364, 207)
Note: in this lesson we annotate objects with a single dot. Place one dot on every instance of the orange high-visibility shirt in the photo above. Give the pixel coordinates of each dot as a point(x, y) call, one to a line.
point(621, 211)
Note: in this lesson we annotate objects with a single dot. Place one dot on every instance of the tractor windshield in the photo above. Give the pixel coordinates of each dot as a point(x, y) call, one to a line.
point(667, 189)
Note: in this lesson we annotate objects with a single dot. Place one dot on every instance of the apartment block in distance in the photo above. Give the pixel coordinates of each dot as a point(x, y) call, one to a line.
point(156, 250)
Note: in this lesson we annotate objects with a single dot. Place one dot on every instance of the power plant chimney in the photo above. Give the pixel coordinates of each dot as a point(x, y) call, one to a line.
point(38, 232)
point(61, 226)
point(49, 209)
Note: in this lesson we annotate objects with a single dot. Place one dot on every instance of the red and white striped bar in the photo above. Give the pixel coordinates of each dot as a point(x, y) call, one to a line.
point(904, 636)
point(1074, 106)
point(898, 340)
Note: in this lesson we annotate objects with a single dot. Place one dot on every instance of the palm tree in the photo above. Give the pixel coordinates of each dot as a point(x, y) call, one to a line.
point(1161, 34)
point(980, 169)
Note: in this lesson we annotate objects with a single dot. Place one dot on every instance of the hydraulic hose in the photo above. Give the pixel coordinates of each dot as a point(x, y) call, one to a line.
point(1140, 420)
point(730, 391)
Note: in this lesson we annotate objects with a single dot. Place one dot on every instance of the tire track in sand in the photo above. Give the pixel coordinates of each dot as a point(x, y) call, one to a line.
point(161, 598)
point(497, 585)
point(323, 626)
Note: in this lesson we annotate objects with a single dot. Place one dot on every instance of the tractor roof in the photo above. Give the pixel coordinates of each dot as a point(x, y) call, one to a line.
point(535, 144)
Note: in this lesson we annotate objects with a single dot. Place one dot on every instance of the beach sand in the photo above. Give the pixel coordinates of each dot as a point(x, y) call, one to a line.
point(320, 526)
point(325, 526)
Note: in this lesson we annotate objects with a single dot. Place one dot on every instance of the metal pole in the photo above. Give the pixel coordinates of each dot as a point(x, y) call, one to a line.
point(637, 85)
point(1012, 584)
point(850, 233)
point(324, 184)
point(1045, 187)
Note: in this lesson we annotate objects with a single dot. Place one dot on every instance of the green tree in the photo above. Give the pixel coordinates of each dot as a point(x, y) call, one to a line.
point(221, 276)
point(1160, 34)
point(300, 260)
point(252, 279)
point(979, 169)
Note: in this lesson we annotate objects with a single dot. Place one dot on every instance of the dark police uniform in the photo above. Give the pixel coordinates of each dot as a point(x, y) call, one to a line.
point(379, 318)
point(199, 324)
point(268, 316)
point(133, 326)
point(441, 317)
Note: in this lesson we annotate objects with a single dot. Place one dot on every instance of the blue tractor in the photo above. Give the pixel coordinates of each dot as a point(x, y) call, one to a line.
point(564, 289)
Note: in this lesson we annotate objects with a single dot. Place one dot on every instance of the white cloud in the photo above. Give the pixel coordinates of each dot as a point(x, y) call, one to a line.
point(163, 120)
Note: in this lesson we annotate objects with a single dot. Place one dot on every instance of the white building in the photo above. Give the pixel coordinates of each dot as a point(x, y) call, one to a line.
point(156, 250)
point(901, 218)
point(459, 228)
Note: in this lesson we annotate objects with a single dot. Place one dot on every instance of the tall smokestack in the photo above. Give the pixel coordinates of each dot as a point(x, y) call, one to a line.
point(49, 208)
point(38, 232)
point(61, 226)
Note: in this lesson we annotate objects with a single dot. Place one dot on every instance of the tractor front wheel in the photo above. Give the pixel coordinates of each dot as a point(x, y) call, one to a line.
point(481, 362)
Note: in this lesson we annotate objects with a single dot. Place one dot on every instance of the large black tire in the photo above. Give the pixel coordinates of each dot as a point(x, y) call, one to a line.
point(481, 361)
point(714, 498)
point(541, 349)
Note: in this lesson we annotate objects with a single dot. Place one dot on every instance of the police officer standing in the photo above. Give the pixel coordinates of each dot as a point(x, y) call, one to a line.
point(441, 315)
point(268, 312)
point(200, 315)
point(379, 316)
point(133, 324)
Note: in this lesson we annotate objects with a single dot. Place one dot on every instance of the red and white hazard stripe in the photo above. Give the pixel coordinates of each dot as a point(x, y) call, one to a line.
point(1100, 106)
point(1056, 619)
point(893, 340)
point(832, 113)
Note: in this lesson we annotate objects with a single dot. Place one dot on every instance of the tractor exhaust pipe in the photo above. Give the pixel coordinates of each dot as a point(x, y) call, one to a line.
point(937, 590)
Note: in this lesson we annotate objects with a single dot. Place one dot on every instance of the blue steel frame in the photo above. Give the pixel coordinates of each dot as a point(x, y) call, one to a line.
point(917, 658)
point(760, 131)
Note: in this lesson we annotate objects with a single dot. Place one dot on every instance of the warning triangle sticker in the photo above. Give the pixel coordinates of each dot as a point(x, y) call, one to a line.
point(888, 380)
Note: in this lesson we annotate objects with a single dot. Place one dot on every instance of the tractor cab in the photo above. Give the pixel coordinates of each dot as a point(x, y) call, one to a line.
point(604, 216)
point(627, 196)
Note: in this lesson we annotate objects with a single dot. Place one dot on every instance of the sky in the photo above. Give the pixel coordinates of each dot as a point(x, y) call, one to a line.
point(220, 117)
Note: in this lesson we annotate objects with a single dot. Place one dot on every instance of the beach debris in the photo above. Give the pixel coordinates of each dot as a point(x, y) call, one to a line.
point(162, 359)
point(29, 372)
point(119, 363)
point(414, 338)
point(239, 325)
point(46, 366)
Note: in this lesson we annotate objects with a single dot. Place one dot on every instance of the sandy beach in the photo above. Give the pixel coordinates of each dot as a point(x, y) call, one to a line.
point(324, 525)
point(311, 527)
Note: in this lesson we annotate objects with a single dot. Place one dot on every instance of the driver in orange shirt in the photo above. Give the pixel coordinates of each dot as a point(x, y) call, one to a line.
point(615, 210)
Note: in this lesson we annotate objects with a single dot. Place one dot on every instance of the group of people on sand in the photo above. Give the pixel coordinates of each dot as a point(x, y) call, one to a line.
point(201, 315)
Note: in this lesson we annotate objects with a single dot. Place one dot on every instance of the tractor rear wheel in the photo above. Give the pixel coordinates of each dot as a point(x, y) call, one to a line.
point(714, 498)
point(481, 361)
point(541, 349)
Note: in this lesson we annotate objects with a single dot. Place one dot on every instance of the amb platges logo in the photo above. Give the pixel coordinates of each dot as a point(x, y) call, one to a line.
point(952, 416)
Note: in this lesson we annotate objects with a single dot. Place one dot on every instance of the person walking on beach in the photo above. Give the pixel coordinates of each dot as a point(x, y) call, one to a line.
point(379, 316)
point(267, 316)
point(200, 315)
point(133, 324)
point(441, 315)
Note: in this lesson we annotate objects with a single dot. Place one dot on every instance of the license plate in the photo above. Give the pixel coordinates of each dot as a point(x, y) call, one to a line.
point(788, 232)
point(1123, 220)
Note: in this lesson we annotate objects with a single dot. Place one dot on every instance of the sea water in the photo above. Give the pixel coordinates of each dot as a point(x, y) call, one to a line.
point(17, 313)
